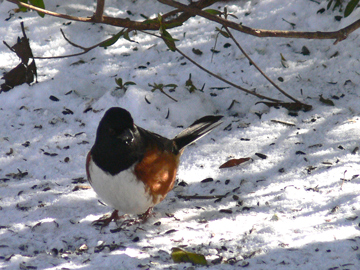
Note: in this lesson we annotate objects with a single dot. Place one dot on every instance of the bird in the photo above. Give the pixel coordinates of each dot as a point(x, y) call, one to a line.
point(132, 169)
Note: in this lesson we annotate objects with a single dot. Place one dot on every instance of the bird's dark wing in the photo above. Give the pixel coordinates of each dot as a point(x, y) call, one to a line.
point(197, 130)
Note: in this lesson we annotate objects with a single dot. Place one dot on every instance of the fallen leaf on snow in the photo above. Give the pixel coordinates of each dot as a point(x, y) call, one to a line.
point(234, 162)
point(80, 187)
point(180, 255)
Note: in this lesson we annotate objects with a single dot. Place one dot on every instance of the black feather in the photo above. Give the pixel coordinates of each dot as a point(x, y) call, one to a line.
point(198, 129)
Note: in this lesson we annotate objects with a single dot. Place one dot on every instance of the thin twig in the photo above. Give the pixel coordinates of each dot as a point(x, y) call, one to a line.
point(9, 47)
point(224, 80)
point(166, 94)
point(78, 46)
point(258, 68)
point(85, 49)
point(283, 123)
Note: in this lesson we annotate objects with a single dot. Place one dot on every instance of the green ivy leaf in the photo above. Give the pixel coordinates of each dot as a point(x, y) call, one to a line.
point(168, 39)
point(171, 85)
point(234, 16)
point(129, 83)
point(213, 11)
point(350, 7)
point(283, 61)
point(329, 4)
point(189, 81)
point(21, 8)
point(39, 4)
point(119, 82)
point(222, 32)
point(173, 24)
point(111, 41)
point(190, 85)
point(121, 85)
point(160, 20)
point(148, 21)
point(127, 37)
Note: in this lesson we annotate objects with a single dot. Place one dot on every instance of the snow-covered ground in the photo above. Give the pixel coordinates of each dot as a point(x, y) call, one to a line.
point(291, 210)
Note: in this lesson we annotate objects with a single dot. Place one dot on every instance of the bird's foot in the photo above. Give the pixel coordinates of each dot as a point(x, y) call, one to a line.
point(140, 220)
point(134, 221)
point(105, 221)
point(144, 217)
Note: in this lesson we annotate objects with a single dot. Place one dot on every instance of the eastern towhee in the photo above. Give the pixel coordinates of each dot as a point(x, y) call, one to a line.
point(132, 169)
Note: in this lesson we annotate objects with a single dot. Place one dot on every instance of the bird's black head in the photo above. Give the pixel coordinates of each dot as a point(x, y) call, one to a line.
point(117, 141)
point(117, 126)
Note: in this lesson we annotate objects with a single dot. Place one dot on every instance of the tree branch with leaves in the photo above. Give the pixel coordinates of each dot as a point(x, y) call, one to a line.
point(176, 18)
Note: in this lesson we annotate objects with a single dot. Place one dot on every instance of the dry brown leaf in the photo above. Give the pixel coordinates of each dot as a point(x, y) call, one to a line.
point(81, 187)
point(234, 162)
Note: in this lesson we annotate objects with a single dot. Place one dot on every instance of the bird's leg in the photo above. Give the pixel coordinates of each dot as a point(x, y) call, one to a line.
point(141, 219)
point(144, 217)
point(103, 222)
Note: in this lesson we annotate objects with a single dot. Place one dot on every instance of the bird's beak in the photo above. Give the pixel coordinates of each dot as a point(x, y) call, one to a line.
point(126, 136)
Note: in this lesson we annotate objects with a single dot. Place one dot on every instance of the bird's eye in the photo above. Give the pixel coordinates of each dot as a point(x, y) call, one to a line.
point(129, 141)
point(126, 136)
point(112, 131)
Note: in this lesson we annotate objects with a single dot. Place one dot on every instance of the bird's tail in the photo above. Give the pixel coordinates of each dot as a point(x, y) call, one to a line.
point(197, 130)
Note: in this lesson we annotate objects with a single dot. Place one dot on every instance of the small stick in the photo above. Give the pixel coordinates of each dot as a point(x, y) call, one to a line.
point(343, 180)
point(283, 122)
point(201, 197)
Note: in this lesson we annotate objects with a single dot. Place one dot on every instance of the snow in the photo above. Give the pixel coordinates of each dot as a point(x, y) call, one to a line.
point(291, 210)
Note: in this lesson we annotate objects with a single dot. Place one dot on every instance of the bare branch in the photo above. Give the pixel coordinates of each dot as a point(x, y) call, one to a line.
point(51, 13)
point(126, 23)
point(337, 35)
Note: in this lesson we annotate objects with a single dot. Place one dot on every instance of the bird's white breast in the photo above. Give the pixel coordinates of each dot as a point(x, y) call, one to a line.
point(122, 191)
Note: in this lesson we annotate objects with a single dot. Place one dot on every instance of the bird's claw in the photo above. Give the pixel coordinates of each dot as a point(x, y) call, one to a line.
point(105, 221)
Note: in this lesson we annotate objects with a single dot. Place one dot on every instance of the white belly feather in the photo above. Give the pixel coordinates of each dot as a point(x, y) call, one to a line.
point(122, 191)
